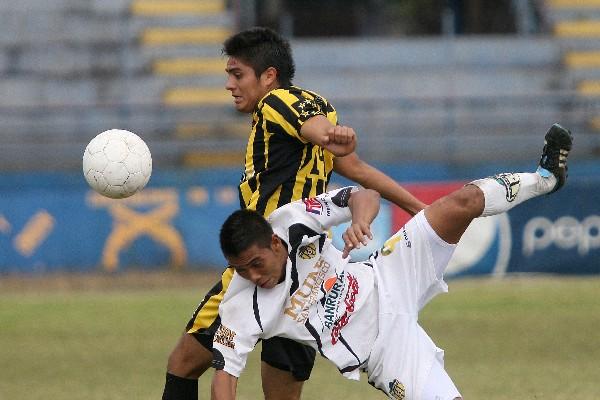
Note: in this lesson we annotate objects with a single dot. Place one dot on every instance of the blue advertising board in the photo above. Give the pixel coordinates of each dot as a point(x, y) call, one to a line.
point(549, 234)
point(54, 222)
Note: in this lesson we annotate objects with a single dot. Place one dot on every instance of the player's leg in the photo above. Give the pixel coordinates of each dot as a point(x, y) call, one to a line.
point(279, 385)
point(189, 359)
point(192, 355)
point(285, 366)
point(451, 215)
point(187, 362)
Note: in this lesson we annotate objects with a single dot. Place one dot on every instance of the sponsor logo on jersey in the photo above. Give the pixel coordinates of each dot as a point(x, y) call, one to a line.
point(349, 302)
point(405, 235)
point(307, 252)
point(308, 293)
point(313, 206)
point(334, 287)
point(225, 336)
point(511, 183)
point(396, 389)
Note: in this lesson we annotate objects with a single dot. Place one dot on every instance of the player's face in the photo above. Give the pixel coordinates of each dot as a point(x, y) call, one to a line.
point(263, 266)
point(245, 87)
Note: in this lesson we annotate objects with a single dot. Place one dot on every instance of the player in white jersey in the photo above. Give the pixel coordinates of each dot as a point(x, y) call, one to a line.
point(290, 280)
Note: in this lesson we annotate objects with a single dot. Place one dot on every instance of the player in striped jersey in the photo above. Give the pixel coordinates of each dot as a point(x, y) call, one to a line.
point(294, 145)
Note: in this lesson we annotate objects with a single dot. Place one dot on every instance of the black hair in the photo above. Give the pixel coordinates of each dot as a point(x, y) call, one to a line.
point(243, 229)
point(262, 48)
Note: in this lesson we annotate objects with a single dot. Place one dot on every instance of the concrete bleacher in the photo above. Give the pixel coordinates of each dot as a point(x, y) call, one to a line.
point(576, 26)
point(72, 68)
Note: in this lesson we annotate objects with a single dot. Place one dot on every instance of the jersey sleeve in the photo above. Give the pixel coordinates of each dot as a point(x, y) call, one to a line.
point(319, 213)
point(290, 110)
point(238, 333)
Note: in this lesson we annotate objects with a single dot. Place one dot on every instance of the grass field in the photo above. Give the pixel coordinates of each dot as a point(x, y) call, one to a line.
point(109, 337)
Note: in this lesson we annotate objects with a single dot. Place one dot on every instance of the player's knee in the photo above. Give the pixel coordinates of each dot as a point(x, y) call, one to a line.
point(468, 201)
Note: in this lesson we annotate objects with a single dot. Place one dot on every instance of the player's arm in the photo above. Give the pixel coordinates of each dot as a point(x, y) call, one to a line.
point(339, 140)
point(364, 206)
point(223, 386)
point(355, 169)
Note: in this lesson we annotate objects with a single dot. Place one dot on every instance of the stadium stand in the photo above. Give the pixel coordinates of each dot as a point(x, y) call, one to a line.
point(577, 26)
point(70, 69)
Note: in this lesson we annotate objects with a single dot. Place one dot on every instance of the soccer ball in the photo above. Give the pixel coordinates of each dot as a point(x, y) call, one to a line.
point(117, 163)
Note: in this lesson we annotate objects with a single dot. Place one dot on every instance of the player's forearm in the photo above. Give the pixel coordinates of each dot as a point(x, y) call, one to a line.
point(394, 192)
point(370, 177)
point(364, 206)
point(223, 386)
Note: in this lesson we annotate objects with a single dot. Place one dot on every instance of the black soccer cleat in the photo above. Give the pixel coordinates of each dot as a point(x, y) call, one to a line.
point(557, 144)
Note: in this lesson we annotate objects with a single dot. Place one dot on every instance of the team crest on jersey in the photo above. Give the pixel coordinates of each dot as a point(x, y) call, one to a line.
point(397, 390)
point(511, 183)
point(308, 108)
point(313, 206)
point(307, 252)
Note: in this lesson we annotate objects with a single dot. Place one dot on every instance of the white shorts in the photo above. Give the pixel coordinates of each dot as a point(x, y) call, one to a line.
point(404, 362)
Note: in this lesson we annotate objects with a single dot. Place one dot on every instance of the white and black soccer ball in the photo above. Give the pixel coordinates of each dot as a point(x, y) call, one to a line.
point(117, 163)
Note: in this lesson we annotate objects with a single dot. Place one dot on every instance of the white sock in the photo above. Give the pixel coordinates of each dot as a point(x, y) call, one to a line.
point(504, 191)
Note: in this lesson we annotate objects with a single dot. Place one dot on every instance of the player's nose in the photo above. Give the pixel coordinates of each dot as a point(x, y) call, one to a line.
point(229, 84)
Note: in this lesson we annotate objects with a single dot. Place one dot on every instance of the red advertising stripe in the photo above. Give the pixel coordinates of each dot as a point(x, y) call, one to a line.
point(427, 193)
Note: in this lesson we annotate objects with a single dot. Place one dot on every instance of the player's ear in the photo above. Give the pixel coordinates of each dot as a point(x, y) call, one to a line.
point(275, 242)
point(269, 76)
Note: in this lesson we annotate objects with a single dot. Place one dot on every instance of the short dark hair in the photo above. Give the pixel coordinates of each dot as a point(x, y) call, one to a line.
point(262, 48)
point(243, 229)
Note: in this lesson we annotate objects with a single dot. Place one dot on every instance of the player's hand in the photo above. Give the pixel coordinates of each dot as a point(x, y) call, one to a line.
point(340, 140)
point(358, 234)
point(340, 134)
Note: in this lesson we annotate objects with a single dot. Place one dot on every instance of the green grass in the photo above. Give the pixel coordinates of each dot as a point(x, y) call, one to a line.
point(525, 338)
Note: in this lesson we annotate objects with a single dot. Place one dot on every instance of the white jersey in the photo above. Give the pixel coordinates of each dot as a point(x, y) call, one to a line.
point(324, 301)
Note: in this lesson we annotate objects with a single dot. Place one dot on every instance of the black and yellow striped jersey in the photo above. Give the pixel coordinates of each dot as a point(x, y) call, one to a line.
point(281, 166)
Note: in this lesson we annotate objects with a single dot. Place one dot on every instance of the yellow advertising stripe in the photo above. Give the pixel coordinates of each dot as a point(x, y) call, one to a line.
point(153, 8)
point(589, 28)
point(573, 3)
point(196, 96)
point(174, 36)
point(595, 123)
point(203, 129)
point(4, 224)
point(34, 233)
point(583, 59)
point(589, 88)
point(189, 66)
